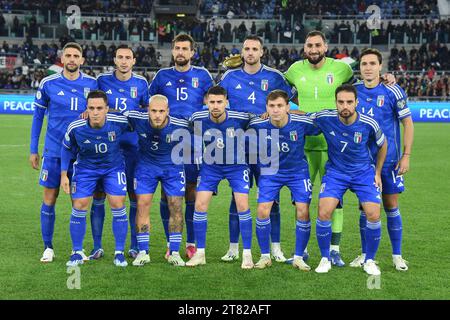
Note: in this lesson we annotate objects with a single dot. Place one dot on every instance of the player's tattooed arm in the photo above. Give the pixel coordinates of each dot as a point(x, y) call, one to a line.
point(176, 214)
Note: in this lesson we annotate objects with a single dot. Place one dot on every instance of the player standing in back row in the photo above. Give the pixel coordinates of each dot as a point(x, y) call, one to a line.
point(184, 86)
point(126, 91)
point(63, 96)
point(387, 105)
point(248, 88)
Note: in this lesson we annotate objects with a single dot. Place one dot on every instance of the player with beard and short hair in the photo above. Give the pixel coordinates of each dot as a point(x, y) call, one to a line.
point(63, 97)
point(350, 166)
point(184, 86)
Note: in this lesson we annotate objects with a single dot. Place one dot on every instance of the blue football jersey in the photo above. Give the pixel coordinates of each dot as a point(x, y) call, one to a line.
point(248, 92)
point(223, 143)
point(387, 105)
point(125, 96)
point(96, 148)
point(155, 145)
point(289, 151)
point(64, 100)
point(185, 90)
point(348, 145)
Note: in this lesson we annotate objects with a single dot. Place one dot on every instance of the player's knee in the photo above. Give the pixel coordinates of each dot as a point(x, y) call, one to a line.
point(175, 204)
point(80, 204)
point(50, 196)
point(117, 202)
point(302, 213)
point(390, 201)
point(373, 215)
point(264, 210)
point(201, 205)
point(324, 214)
point(242, 205)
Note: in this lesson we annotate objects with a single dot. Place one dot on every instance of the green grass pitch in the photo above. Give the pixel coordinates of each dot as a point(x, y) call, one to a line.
point(425, 209)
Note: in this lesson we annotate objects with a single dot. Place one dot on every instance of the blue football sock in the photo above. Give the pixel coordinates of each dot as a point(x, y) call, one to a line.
point(302, 233)
point(362, 230)
point(165, 215)
point(395, 229)
point(97, 220)
point(47, 224)
point(120, 227)
point(189, 218)
point(175, 241)
point(275, 229)
point(133, 210)
point(373, 237)
point(77, 228)
point(263, 234)
point(233, 222)
point(323, 234)
point(245, 224)
point(143, 241)
point(200, 227)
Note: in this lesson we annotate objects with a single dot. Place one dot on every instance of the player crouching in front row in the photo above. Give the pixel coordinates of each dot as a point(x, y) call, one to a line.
point(95, 142)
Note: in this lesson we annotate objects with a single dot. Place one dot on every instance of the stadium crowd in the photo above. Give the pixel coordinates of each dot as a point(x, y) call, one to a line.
point(428, 59)
point(103, 6)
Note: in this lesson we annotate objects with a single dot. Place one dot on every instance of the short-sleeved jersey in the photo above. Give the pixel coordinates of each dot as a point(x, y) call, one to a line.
point(131, 94)
point(316, 88)
point(155, 145)
point(96, 148)
point(387, 105)
point(185, 90)
point(348, 145)
point(125, 96)
point(227, 137)
point(64, 101)
point(248, 92)
point(291, 140)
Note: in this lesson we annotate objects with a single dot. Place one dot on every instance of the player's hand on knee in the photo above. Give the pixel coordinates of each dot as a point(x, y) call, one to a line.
point(34, 161)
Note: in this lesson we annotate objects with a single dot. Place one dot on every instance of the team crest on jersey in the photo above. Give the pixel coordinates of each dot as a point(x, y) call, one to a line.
point(195, 82)
point(38, 95)
point(134, 183)
point(86, 92)
point(380, 101)
point(264, 85)
point(112, 136)
point(330, 78)
point(168, 138)
point(133, 92)
point(357, 137)
point(230, 132)
point(44, 175)
point(74, 187)
point(293, 135)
